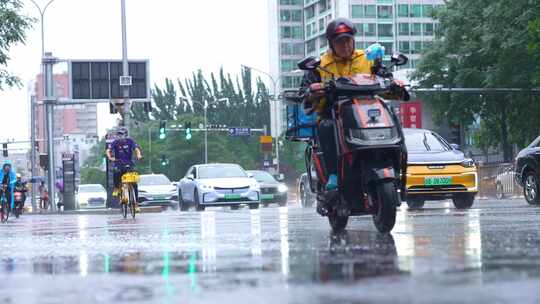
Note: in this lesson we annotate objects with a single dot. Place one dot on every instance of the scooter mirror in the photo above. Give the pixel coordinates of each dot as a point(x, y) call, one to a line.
point(399, 59)
point(309, 63)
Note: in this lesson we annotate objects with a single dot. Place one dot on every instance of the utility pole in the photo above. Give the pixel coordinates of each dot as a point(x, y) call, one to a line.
point(125, 68)
point(49, 99)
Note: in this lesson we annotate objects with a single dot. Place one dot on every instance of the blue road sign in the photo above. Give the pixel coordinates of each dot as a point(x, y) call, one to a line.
point(239, 131)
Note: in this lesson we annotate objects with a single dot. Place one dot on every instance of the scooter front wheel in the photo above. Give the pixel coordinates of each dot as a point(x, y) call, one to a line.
point(337, 222)
point(384, 214)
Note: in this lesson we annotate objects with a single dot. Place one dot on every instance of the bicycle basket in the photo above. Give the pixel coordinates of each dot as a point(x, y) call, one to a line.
point(130, 177)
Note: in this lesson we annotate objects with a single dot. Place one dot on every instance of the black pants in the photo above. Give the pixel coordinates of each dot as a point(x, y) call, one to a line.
point(117, 180)
point(327, 141)
point(8, 196)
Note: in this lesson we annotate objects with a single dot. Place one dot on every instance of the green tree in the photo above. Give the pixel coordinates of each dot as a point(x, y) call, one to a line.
point(482, 44)
point(12, 31)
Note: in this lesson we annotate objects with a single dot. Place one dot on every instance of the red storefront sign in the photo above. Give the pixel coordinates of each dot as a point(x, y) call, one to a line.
point(411, 114)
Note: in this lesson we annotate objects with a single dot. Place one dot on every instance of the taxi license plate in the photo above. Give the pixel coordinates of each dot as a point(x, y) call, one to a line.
point(232, 196)
point(267, 196)
point(438, 181)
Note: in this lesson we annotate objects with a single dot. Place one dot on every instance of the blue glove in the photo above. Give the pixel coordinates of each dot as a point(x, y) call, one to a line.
point(374, 51)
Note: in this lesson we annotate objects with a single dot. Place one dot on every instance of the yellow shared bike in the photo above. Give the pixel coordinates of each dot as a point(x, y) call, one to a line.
point(127, 193)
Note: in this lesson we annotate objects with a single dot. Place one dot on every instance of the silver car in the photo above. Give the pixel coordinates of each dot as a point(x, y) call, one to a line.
point(218, 185)
point(157, 190)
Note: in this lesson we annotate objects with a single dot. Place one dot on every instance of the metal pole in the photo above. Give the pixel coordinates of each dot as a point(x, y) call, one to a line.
point(274, 113)
point(48, 62)
point(125, 67)
point(205, 134)
point(33, 148)
point(48, 94)
point(150, 150)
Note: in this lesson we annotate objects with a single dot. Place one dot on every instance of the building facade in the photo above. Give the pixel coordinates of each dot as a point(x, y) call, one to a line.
point(75, 127)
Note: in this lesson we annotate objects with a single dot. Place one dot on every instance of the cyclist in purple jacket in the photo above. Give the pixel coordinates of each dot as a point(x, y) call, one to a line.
point(121, 152)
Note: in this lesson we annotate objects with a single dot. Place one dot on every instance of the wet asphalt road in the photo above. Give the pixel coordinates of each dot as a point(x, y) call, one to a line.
point(489, 254)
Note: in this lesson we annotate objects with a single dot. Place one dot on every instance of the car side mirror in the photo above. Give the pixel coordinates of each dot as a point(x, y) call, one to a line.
point(281, 177)
point(250, 175)
point(191, 177)
point(399, 59)
point(309, 63)
point(455, 147)
point(174, 184)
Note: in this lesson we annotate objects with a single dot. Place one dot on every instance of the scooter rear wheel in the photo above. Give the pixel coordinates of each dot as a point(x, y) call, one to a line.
point(384, 216)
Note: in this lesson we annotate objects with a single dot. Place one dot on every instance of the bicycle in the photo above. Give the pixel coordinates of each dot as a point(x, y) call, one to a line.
point(127, 193)
point(4, 207)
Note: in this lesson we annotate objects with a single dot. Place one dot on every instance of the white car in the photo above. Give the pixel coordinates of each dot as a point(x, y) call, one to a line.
point(91, 196)
point(218, 185)
point(157, 190)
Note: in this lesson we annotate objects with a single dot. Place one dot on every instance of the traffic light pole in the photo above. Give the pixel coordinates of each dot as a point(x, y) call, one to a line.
point(33, 148)
point(205, 134)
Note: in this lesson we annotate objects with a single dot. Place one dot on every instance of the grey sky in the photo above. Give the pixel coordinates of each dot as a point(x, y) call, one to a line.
point(178, 36)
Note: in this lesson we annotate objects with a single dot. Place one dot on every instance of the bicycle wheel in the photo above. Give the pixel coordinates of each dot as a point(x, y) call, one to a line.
point(132, 200)
point(124, 207)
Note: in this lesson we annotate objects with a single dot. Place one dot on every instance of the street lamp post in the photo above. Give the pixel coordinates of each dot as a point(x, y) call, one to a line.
point(205, 105)
point(49, 114)
point(275, 112)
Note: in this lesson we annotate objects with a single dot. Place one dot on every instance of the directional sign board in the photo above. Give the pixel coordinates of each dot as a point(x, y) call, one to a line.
point(102, 79)
point(239, 131)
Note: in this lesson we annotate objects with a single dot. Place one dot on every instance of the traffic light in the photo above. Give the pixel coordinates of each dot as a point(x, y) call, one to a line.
point(4, 150)
point(188, 130)
point(164, 160)
point(162, 130)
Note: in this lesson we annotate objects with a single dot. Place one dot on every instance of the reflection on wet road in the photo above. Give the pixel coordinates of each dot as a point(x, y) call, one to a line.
point(275, 255)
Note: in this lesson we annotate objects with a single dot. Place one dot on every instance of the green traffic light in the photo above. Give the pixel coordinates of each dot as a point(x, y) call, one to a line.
point(162, 136)
point(188, 136)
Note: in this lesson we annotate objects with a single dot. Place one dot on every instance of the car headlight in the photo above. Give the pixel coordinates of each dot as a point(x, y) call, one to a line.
point(282, 188)
point(467, 163)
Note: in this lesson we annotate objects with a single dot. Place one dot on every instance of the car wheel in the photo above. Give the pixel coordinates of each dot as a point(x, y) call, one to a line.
point(183, 206)
point(415, 203)
point(235, 207)
point(198, 205)
point(530, 188)
point(463, 201)
point(499, 191)
point(253, 206)
point(265, 205)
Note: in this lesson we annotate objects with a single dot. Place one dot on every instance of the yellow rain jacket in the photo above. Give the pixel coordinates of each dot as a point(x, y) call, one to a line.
point(357, 64)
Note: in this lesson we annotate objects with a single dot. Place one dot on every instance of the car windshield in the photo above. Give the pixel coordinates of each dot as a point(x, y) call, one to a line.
point(91, 188)
point(262, 176)
point(154, 180)
point(221, 171)
point(424, 142)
